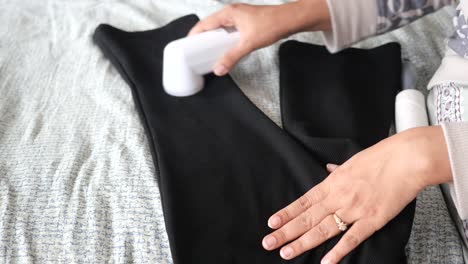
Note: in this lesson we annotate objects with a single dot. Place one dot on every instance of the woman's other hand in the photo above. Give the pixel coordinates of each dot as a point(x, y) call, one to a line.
point(366, 192)
point(263, 25)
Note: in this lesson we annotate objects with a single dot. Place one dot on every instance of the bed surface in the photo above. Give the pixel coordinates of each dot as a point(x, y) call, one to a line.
point(77, 182)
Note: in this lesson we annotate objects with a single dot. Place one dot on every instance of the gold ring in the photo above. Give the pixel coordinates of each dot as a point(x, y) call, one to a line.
point(342, 226)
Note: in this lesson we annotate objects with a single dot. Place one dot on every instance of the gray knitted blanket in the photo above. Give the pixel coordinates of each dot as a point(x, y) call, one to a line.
point(77, 182)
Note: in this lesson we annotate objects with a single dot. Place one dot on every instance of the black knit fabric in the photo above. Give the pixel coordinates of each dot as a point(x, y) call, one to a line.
point(224, 168)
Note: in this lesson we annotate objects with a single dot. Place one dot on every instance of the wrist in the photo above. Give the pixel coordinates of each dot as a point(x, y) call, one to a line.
point(318, 16)
point(305, 15)
point(432, 159)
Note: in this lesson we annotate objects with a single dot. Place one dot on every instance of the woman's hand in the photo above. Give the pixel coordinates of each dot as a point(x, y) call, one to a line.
point(366, 192)
point(260, 26)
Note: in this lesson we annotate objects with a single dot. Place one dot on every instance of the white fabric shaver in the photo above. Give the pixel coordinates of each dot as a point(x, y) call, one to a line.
point(186, 60)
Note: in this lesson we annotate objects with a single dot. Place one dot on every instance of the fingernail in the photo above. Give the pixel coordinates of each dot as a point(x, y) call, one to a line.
point(326, 260)
point(331, 166)
point(220, 70)
point(269, 242)
point(286, 252)
point(274, 221)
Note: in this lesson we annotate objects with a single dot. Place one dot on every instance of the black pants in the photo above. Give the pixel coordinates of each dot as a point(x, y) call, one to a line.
point(224, 167)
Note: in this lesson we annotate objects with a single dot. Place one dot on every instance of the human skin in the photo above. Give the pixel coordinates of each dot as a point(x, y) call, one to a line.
point(261, 26)
point(368, 190)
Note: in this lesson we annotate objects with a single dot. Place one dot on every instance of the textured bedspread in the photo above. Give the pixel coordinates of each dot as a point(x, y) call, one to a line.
point(77, 182)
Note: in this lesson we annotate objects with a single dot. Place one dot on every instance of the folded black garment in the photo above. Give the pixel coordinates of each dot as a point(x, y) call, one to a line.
point(224, 167)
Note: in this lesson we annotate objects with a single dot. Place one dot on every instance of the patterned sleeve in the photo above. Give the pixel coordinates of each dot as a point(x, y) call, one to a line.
point(354, 20)
point(450, 83)
point(393, 14)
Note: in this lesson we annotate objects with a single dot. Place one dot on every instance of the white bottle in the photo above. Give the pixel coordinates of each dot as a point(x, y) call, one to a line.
point(186, 60)
point(410, 105)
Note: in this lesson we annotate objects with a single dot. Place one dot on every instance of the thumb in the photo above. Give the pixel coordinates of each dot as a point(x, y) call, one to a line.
point(230, 59)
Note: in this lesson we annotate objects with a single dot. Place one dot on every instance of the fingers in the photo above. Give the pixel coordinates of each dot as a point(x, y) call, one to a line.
point(217, 20)
point(359, 232)
point(230, 59)
point(297, 227)
point(316, 236)
point(222, 18)
point(314, 196)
